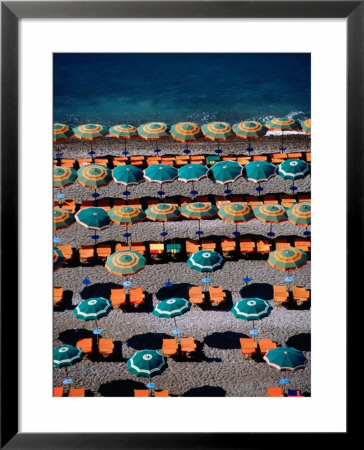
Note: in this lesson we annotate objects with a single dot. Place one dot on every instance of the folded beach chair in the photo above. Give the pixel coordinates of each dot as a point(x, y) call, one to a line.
point(196, 296)
point(217, 295)
point(106, 346)
point(84, 161)
point(85, 345)
point(169, 347)
point(300, 295)
point(246, 245)
point(263, 246)
point(266, 345)
point(281, 243)
point(228, 246)
point(188, 346)
point(68, 162)
point(87, 253)
point(138, 161)
point(277, 158)
point(308, 157)
point(274, 392)
point(208, 245)
point(103, 251)
point(67, 251)
point(192, 246)
point(303, 244)
point(119, 161)
point(259, 158)
point(243, 160)
point(248, 347)
point(228, 158)
point(118, 297)
point(102, 161)
point(136, 296)
point(280, 295)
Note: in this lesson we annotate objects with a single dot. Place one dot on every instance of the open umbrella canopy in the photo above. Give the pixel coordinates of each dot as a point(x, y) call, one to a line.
point(186, 132)
point(90, 132)
point(128, 175)
point(124, 131)
point(306, 126)
point(258, 171)
point(270, 213)
point(66, 355)
point(125, 263)
point(300, 214)
point(198, 210)
point(126, 214)
point(249, 129)
point(163, 212)
point(172, 307)
point(147, 363)
point(251, 309)
point(226, 171)
point(217, 131)
point(282, 124)
point(62, 218)
point(94, 218)
point(287, 258)
point(93, 308)
point(94, 176)
point(192, 172)
point(161, 173)
point(236, 212)
point(154, 130)
point(61, 132)
point(205, 261)
point(286, 358)
point(58, 259)
point(293, 169)
point(63, 176)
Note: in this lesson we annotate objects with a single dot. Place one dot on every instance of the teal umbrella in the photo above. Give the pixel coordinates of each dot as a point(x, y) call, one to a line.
point(66, 355)
point(62, 218)
point(258, 171)
point(282, 124)
point(128, 175)
point(300, 214)
point(63, 176)
point(172, 307)
point(226, 171)
point(90, 132)
point(94, 218)
point(192, 173)
point(205, 261)
point(286, 358)
point(160, 173)
point(58, 259)
point(293, 169)
point(251, 309)
point(93, 308)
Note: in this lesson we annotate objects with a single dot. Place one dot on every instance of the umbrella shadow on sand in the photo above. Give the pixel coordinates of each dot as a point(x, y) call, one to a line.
point(227, 340)
point(205, 391)
point(151, 341)
point(177, 290)
point(120, 388)
point(99, 290)
point(259, 290)
point(301, 341)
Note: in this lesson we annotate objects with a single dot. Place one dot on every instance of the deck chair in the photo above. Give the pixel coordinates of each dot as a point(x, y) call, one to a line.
point(270, 199)
point(69, 204)
point(303, 244)
point(300, 295)
point(138, 161)
point(161, 393)
point(103, 251)
point(217, 295)
point(281, 243)
point(169, 160)
point(277, 158)
point(85, 345)
point(106, 346)
point(192, 246)
point(84, 161)
point(220, 200)
point(68, 162)
point(265, 345)
point(274, 392)
point(138, 247)
point(197, 159)
point(196, 296)
point(57, 295)
point(102, 161)
point(118, 297)
point(280, 294)
point(246, 245)
point(208, 245)
point(136, 296)
point(141, 393)
point(87, 253)
point(119, 161)
point(287, 200)
point(263, 246)
point(295, 155)
point(308, 157)
point(156, 249)
point(228, 245)
point(228, 158)
point(248, 347)
point(259, 158)
point(243, 160)
point(76, 392)
point(121, 246)
point(188, 346)
point(67, 251)
point(58, 391)
point(169, 347)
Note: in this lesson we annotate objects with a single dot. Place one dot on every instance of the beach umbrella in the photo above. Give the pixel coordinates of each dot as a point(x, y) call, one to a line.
point(186, 132)
point(198, 211)
point(66, 355)
point(287, 259)
point(306, 126)
point(162, 212)
point(61, 132)
point(218, 131)
point(192, 173)
point(63, 176)
point(93, 309)
point(172, 307)
point(153, 131)
point(225, 172)
point(94, 218)
point(251, 309)
point(270, 214)
point(127, 175)
point(58, 259)
point(205, 261)
point(259, 171)
point(126, 215)
point(282, 124)
point(235, 212)
point(160, 173)
point(293, 169)
point(147, 363)
point(249, 130)
point(124, 131)
point(62, 218)
point(300, 214)
point(124, 263)
point(90, 132)
point(94, 176)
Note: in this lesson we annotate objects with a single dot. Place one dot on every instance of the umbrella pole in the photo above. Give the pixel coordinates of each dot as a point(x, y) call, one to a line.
point(259, 189)
point(282, 140)
point(92, 156)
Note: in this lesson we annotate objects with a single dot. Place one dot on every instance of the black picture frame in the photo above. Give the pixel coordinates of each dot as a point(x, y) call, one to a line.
point(11, 12)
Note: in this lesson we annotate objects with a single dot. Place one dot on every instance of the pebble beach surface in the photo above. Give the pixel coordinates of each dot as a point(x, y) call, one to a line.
point(218, 369)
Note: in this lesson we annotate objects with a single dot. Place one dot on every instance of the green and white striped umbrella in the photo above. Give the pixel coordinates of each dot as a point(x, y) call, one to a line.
point(126, 215)
point(293, 169)
point(258, 171)
point(94, 218)
point(172, 307)
point(192, 172)
point(186, 132)
point(58, 259)
point(154, 130)
point(62, 218)
point(300, 214)
point(63, 176)
point(94, 176)
point(306, 126)
point(286, 358)
point(226, 171)
point(205, 261)
point(161, 173)
point(128, 175)
point(123, 263)
point(163, 212)
point(66, 355)
point(93, 308)
point(147, 363)
point(61, 132)
point(251, 309)
point(198, 210)
point(287, 258)
point(270, 213)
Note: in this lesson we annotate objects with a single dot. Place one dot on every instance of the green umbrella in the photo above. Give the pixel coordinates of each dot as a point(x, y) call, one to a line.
point(270, 214)
point(251, 309)
point(90, 132)
point(293, 169)
point(93, 309)
point(58, 259)
point(218, 131)
point(306, 126)
point(198, 211)
point(162, 212)
point(94, 218)
point(258, 171)
point(282, 124)
point(126, 215)
point(63, 176)
point(160, 173)
point(125, 263)
point(286, 358)
point(186, 132)
point(127, 175)
point(124, 131)
point(300, 214)
point(249, 130)
point(94, 176)
point(205, 261)
point(62, 218)
point(61, 132)
point(66, 355)
point(235, 212)
point(192, 173)
point(153, 131)
point(172, 307)
point(225, 172)
point(287, 258)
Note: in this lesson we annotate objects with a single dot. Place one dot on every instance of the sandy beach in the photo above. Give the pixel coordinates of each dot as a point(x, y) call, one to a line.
point(218, 368)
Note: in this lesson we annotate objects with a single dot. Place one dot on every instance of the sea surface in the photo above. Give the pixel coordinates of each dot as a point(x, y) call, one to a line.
point(112, 88)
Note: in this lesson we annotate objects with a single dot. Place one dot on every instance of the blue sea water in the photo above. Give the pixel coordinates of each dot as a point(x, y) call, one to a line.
point(111, 88)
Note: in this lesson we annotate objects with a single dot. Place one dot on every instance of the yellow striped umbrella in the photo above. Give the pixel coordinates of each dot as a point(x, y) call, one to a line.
point(125, 263)
point(186, 132)
point(90, 132)
point(270, 214)
point(218, 131)
point(94, 176)
point(62, 218)
point(249, 130)
point(282, 124)
point(235, 212)
point(124, 131)
point(126, 215)
point(162, 212)
point(306, 126)
point(287, 258)
point(153, 131)
point(198, 210)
